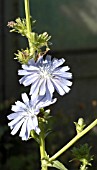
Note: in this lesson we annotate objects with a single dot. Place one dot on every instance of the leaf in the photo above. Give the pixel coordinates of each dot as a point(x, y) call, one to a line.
point(57, 164)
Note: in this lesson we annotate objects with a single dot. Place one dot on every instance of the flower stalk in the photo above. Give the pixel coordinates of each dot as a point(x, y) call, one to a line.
point(77, 137)
point(28, 21)
point(42, 146)
point(83, 167)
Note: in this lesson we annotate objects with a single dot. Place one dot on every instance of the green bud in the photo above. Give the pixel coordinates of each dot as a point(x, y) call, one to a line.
point(23, 56)
point(80, 125)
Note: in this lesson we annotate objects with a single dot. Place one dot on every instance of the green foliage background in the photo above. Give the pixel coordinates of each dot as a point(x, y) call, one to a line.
point(72, 23)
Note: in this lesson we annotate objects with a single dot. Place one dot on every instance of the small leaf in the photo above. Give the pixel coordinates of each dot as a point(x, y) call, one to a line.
point(48, 132)
point(57, 164)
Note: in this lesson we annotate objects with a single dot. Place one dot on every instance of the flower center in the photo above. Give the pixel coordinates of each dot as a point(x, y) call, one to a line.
point(30, 112)
point(44, 73)
point(45, 70)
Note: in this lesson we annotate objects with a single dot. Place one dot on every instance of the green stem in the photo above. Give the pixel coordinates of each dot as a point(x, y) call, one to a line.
point(83, 167)
point(28, 22)
point(77, 137)
point(42, 146)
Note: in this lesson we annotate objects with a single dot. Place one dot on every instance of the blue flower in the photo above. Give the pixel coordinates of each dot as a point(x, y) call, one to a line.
point(46, 75)
point(25, 113)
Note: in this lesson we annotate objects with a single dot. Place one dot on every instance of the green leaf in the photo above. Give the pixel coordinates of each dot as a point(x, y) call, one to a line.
point(57, 164)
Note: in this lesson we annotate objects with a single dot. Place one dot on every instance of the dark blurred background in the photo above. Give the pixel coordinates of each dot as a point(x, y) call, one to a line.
point(73, 27)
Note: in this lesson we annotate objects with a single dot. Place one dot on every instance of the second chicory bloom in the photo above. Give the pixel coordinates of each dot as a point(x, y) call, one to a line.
point(25, 113)
point(46, 75)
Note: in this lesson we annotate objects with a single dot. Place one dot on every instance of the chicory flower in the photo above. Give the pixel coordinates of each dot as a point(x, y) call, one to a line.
point(46, 75)
point(25, 115)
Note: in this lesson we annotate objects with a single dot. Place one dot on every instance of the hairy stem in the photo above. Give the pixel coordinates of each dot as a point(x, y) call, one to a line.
point(77, 137)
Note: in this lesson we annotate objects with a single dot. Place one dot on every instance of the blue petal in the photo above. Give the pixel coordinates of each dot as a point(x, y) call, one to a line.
point(50, 86)
point(40, 59)
point(58, 87)
point(42, 89)
point(35, 87)
point(25, 98)
point(57, 63)
point(23, 130)
point(62, 74)
point(17, 126)
point(48, 58)
point(35, 121)
point(30, 79)
point(14, 121)
point(22, 72)
point(13, 115)
point(65, 82)
point(19, 105)
point(30, 68)
point(64, 68)
point(22, 79)
point(31, 62)
point(43, 102)
point(37, 130)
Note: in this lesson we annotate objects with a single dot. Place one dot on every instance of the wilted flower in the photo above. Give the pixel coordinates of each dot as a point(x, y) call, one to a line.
point(25, 115)
point(11, 24)
point(46, 75)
